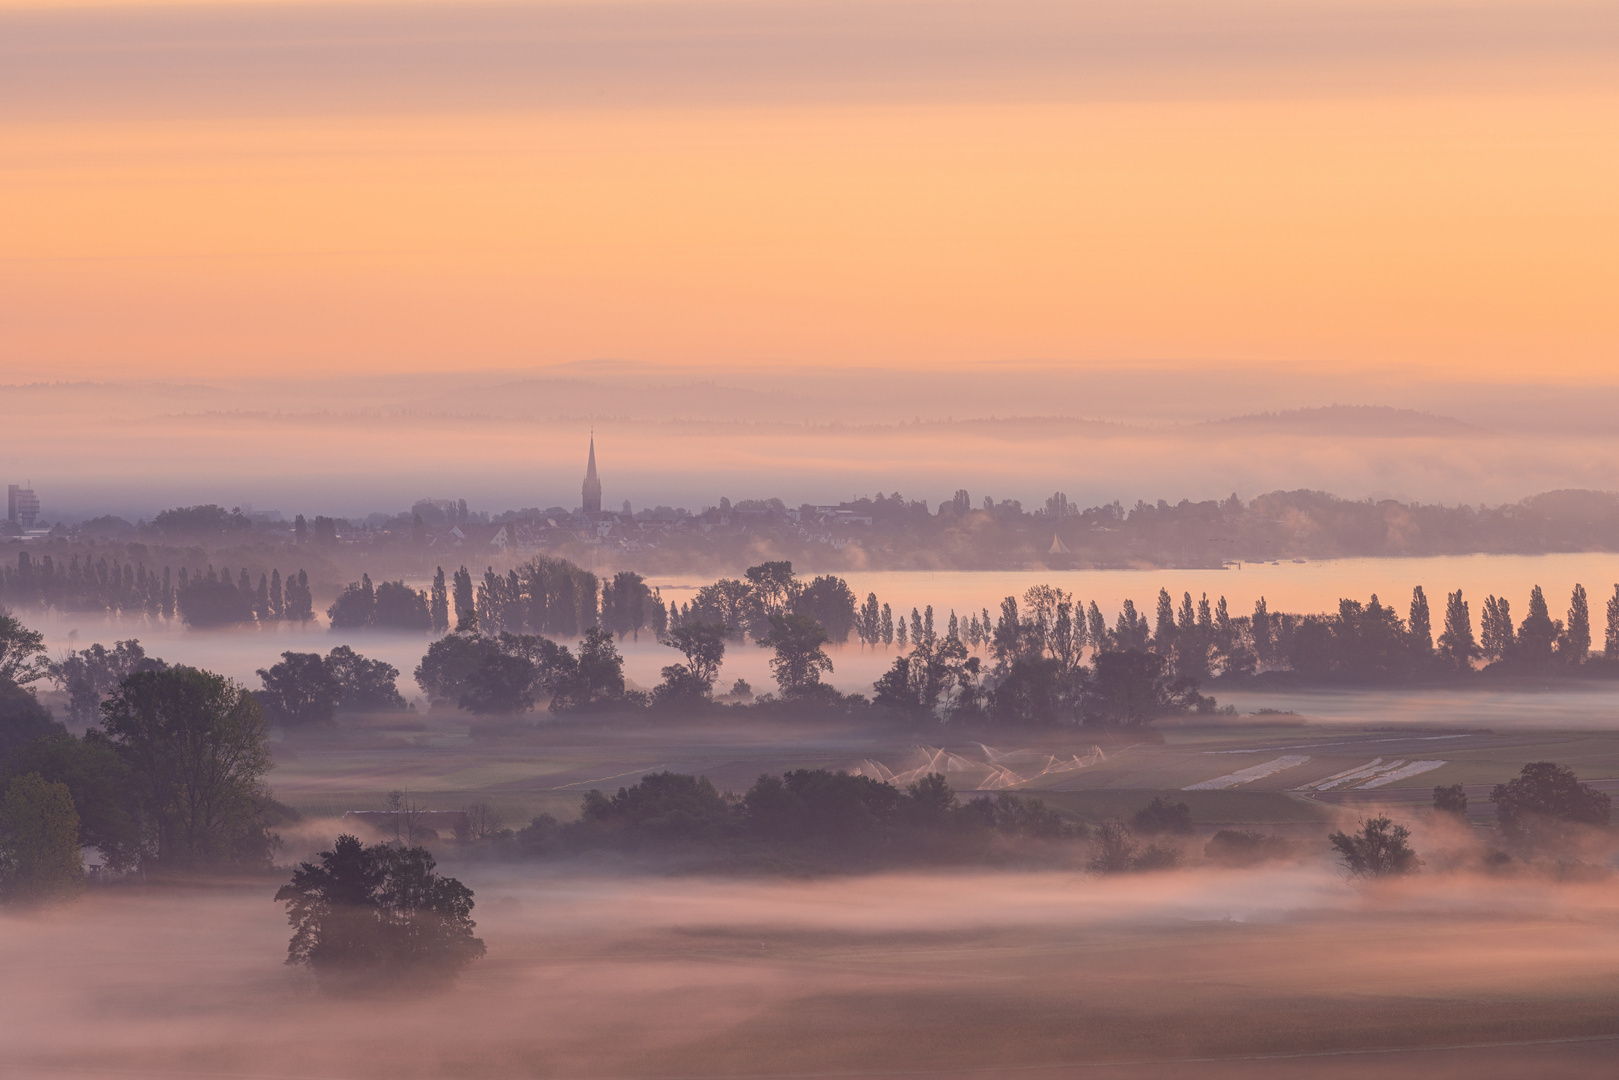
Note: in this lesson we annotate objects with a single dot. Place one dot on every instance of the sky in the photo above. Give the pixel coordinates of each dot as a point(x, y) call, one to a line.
point(299, 204)
point(210, 187)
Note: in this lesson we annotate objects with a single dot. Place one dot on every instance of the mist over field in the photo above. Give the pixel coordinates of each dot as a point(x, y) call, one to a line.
point(809, 538)
point(602, 975)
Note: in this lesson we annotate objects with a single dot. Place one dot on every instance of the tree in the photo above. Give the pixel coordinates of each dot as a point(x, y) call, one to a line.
point(799, 658)
point(22, 719)
point(1030, 691)
point(278, 603)
point(439, 605)
point(378, 913)
point(1260, 626)
point(1495, 629)
point(1544, 801)
point(446, 672)
point(399, 607)
point(39, 841)
point(703, 646)
point(1162, 816)
point(1133, 688)
point(1114, 850)
point(207, 602)
point(1610, 640)
point(99, 782)
point(363, 685)
point(197, 747)
point(1575, 646)
point(732, 603)
point(830, 602)
point(1163, 635)
point(501, 684)
point(1380, 849)
point(1456, 645)
point(300, 602)
point(1419, 628)
point(465, 608)
point(598, 676)
point(1537, 637)
point(1451, 799)
point(355, 606)
point(299, 691)
point(21, 652)
point(773, 585)
point(936, 672)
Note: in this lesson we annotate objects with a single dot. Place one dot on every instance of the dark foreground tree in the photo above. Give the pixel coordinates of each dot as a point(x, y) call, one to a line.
point(1380, 849)
point(22, 719)
point(197, 748)
point(379, 914)
point(39, 842)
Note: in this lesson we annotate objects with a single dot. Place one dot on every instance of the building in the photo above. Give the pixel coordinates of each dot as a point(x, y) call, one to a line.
point(22, 505)
point(592, 490)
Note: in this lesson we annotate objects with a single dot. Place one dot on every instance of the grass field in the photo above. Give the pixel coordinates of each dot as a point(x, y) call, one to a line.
point(546, 769)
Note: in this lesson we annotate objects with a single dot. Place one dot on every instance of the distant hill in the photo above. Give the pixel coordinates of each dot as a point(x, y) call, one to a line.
point(1365, 421)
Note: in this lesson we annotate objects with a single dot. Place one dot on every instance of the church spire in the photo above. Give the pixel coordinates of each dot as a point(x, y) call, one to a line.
point(592, 489)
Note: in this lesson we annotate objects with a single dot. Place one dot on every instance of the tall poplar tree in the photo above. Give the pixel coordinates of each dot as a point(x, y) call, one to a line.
point(1576, 643)
point(1420, 626)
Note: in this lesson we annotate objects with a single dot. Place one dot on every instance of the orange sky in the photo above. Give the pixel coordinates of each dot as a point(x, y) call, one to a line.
point(1464, 222)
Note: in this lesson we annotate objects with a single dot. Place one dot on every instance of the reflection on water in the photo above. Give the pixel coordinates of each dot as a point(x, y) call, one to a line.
point(1287, 586)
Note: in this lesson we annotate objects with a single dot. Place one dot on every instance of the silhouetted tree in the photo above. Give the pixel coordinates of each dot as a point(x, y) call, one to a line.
point(1456, 645)
point(1537, 637)
point(1162, 816)
point(703, 645)
point(300, 602)
point(1380, 849)
point(1538, 807)
point(363, 685)
point(1496, 638)
point(39, 842)
point(1575, 646)
point(465, 611)
point(799, 659)
point(1610, 640)
point(197, 747)
point(1451, 799)
point(299, 691)
point(829, 601)
point(379, 913)
point(1419, 628)
point(438, 608)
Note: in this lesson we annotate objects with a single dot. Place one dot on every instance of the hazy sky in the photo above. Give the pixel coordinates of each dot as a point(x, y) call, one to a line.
point(206, 190)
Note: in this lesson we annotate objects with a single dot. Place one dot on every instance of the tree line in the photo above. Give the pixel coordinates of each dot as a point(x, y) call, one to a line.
point(200, 598)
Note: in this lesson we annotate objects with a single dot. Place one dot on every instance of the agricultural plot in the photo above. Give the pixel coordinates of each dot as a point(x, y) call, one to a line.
point(1242, 770)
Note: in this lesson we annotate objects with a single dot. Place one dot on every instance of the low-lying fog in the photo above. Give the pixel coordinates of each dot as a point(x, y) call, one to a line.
point(1297, 587)
point(596, 974)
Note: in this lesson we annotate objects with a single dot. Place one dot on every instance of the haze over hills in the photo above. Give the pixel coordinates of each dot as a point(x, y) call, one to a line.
point(351, 445)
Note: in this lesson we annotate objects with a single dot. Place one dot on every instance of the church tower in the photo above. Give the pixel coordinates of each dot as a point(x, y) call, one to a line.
point(592, 490)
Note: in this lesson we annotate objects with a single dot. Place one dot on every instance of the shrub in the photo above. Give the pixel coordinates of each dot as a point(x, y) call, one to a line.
point(1162, 816)
point(1380, 849)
